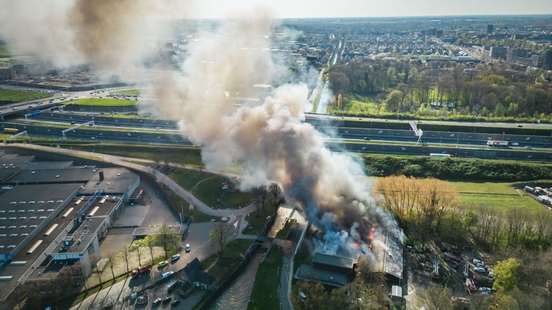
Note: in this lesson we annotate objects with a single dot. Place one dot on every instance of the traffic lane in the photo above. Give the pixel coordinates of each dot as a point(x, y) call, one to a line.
point(136, 122)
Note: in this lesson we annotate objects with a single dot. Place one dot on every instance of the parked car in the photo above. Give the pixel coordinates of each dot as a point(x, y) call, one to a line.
point(163, 264)
point(167, 299)
point(156, 302)
point(479, 269)
point(481, 265)
point(175, 302)
point(475, 261)
point(175, 257)
point(167, 274)
point(188, 249)
point(485, 289)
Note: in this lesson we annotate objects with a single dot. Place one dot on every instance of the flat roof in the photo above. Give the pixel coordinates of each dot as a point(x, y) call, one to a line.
point(52, 176)
point(19, 217)
point(41, 165)
point(7, 172)
point(16, 270)
point(116, 181)
point(100, 207)
point(326, 277)
point(333, 260)
point(15, 159)
point(82, 237)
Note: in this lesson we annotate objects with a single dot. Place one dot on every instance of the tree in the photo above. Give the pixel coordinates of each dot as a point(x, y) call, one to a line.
point(220, 234)
point(150, 242)
point(262, 194)
point(111, 260)
point(435, 297)
point(506, 274)
point(98, 272)
point(274, 190)
point(394, 100)
point(139, 254)
point(126, 253)
point(165, 238)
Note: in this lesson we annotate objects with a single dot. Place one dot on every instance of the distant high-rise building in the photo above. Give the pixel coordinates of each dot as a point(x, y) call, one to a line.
point(547, 61)
point(439, 33)
point(498, 52)
point(490, 29)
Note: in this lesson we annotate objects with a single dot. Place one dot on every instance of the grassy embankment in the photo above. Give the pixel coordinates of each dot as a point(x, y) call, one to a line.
point(265, 290)
point(498, 195)
point(134, 92)
point(107, 102)
point(9, 95)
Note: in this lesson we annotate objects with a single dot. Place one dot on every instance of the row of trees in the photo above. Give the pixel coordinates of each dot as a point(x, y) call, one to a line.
point(410, 87)
point(423, 207)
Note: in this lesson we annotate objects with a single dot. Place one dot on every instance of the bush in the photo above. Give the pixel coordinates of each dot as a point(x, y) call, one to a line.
point(472, 169)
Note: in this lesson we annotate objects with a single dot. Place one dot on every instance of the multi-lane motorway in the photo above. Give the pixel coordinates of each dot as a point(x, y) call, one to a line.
point(354, 135)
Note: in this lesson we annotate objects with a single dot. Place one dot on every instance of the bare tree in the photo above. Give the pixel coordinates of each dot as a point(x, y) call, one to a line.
point(126, 253)
point(98, 272)
point(220, 234)
point(435, 297)
point(275, 191)
point(111, 260)
point(139, 254)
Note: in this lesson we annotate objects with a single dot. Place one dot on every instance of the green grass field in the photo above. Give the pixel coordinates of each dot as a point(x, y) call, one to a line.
point(177, 154)
point(20, 96)
point(209, 192)
point(107, 102)
point(127, 92)
point(498, 195)
point(265, 290)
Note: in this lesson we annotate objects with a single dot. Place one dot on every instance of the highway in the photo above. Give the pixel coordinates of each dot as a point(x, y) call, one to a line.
point(163, 128)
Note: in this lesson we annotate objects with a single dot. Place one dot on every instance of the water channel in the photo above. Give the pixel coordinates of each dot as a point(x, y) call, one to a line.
point(237, 295)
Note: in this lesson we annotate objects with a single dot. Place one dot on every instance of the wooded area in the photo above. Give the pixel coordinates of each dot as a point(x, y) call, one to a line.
point(444, 89)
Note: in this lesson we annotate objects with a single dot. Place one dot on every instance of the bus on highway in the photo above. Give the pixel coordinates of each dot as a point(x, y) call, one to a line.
point(11, 130)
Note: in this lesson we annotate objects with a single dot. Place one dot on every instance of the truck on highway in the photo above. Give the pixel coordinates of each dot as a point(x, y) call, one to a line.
point(11, 130)
point(497, 143)
point(138, 272)
point(440, 155)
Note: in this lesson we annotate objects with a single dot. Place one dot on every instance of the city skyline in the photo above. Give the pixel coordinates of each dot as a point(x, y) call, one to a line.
point(370, 8)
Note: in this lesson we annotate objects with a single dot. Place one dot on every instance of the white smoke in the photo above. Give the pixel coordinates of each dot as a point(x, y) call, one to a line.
point(268, 140)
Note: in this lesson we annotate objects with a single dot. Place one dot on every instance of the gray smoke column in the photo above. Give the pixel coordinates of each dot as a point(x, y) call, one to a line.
point(269, 141)
point(108, 35)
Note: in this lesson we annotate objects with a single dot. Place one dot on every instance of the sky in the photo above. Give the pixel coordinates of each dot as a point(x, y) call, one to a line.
point(378, 8)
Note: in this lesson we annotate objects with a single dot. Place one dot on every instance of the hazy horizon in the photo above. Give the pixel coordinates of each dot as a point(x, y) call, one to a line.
point(371, 8)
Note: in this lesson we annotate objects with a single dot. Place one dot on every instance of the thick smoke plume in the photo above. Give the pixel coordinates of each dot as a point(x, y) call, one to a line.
point(269, 140)
point(107, 35)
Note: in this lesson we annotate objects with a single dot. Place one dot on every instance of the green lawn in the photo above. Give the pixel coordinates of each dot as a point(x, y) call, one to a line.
point(209, 192)
point(265, 289)
point(258, 219)
point(357, 104)
point(188, 178)
point(498, 195)
point(134, 92)
point(20, 96)
point(198, 216)
point(107, 102)
point(177, 154)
